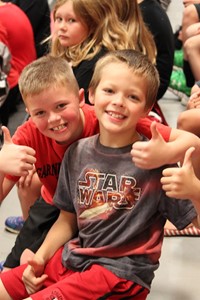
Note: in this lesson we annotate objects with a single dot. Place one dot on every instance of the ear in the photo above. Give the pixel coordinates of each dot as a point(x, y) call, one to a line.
point(26, 109)
point(91, 96)
point(81, 97)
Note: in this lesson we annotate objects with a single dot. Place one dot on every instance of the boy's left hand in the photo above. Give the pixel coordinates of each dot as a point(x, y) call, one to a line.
point(33, 276)
point(150, 154)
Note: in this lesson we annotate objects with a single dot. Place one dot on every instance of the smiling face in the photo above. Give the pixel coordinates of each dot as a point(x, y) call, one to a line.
point(68, 27)
point(119, 101)
point(56, 113)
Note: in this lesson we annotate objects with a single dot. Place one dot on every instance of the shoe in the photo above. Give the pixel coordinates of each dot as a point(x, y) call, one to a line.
point(1, 265)
point(14, 224)
point(178, 85)
point(178, 58)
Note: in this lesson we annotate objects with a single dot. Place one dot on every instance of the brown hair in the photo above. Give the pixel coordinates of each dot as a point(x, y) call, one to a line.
point(138, 63)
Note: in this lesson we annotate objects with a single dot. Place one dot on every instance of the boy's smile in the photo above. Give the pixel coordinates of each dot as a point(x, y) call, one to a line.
point(119, 100)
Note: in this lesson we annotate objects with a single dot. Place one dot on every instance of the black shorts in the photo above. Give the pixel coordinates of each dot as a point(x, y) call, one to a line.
point(197, 6)
point(41, 217)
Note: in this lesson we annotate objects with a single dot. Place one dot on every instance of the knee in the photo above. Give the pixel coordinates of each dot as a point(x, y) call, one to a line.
point(191, 45)
point(192, 30)
point(190, 14)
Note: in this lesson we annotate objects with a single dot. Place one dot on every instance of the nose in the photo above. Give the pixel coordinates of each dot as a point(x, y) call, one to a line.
point(53, 117)
point(62, 25)
point(118, 100)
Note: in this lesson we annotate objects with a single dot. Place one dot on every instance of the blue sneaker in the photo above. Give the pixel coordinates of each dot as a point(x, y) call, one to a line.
point(1, 265)
point(14, 224)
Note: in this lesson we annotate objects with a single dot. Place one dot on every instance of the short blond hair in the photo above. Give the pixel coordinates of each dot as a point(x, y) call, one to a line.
point(138, 63)
point(45, 72)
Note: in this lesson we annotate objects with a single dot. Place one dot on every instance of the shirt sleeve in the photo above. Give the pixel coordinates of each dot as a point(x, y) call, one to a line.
point(144, 124)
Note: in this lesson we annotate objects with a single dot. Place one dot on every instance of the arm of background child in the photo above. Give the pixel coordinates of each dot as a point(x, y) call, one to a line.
point(157, 152)
point(182, 183)
point(62, 231)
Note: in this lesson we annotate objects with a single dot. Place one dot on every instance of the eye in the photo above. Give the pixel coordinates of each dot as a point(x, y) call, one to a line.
point(108, 90)
point(71, 20)
point(61, 105)
point(58, 19)
point(40, 113)
point(134, 97)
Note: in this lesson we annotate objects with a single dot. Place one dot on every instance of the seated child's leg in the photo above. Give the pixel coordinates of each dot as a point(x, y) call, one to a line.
point(11, 285)
point(189, 120)
point(3, 293)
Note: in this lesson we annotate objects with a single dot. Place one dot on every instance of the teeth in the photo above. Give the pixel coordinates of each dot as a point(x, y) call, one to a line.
point(115, 115)
point(59, 127)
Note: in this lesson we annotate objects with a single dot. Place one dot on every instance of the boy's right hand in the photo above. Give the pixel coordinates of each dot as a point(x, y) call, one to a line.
point(16, 160)
point(33, 277)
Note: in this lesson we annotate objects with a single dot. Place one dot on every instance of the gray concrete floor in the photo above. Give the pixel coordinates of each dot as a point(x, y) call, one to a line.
point(179, 274)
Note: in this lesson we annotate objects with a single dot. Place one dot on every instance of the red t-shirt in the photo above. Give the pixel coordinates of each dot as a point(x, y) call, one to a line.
point(18, 37)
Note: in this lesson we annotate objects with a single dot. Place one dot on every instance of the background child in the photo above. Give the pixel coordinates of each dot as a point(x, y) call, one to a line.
point(118, 209)
point(85, 30)
point(17, 34)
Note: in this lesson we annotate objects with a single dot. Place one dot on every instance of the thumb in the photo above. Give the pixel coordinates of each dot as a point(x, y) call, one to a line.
point(154, 132)
point(34, 265)
point(6, 135)
point(188, 157)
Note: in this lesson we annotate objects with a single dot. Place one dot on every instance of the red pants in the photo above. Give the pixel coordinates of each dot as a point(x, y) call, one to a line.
point(62, 284)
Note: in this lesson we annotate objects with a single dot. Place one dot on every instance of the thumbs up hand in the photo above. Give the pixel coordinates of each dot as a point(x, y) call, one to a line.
point(150, 154)
point(16, 160)
point(181, 182)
